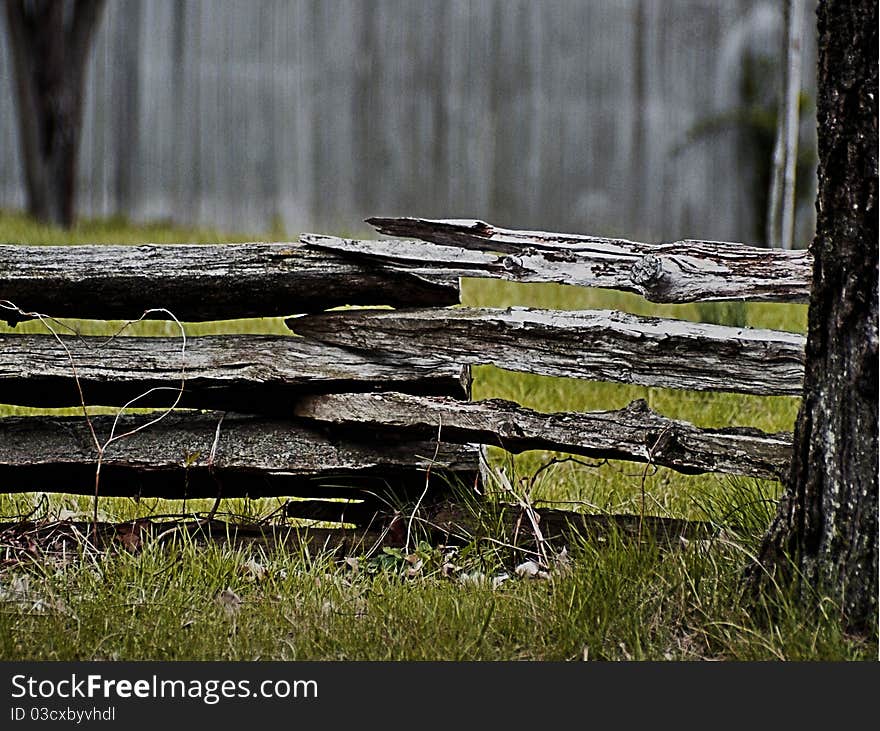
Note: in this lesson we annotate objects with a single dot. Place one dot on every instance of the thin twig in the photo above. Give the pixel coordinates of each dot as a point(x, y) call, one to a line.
point(211, 456)
point(100, 447)
point(427, 484)
point(649, 450)
point(525, 504)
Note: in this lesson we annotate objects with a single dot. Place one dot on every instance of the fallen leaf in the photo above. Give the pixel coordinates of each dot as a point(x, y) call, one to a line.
point(561, 560)
point(230, 601)
point(475, 578)
point(531, 570)
point(253, 570)
point(352, 563)
point(131, 535)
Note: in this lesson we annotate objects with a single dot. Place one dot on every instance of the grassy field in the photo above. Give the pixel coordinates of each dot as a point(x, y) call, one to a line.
point(613, 600)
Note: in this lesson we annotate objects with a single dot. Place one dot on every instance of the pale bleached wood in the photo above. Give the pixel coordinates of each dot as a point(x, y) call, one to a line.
point(635, 433)
point(677, 271)
point(591, 344)
point(250, 373)
point(252, 456)
point(203, 282)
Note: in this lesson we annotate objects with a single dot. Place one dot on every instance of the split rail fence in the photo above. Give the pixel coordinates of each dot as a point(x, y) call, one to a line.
point(368, 400)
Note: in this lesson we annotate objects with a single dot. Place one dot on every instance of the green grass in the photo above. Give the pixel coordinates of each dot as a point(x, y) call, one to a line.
point(614, 600)
point(610, 601)
point(616, 486)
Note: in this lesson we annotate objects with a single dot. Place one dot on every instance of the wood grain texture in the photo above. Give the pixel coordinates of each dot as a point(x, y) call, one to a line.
point(677, 271)
point(635, 433)
point(203, 282)
point(591, 344)
point(254, 456)
point(249, 373)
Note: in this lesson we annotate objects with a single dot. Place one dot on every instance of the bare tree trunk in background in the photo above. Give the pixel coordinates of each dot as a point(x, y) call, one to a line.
point(827, 521)
point(781, 215)
point(50, 42)
point(789, 110)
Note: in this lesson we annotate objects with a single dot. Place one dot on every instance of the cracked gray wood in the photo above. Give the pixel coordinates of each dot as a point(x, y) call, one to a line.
point(250, 373)
point(677, 271)
point(203, 282)
point(635, 433)
point(416, 257)
point(591, 344)
point(253, 456)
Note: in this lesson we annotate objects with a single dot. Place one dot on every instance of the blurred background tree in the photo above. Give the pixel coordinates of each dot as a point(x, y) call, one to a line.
point(50, 42)
point(291, 115)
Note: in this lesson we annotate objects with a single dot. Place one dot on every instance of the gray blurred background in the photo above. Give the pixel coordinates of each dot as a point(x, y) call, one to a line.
point(651, 119)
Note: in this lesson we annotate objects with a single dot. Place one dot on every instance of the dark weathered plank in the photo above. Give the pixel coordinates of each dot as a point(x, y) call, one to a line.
point(560, 527)
point(635, 433)
point(250, 373)
point(203, 282)
point(592, 344)
point(447, 523)
point(252, 456)
point(677, 271)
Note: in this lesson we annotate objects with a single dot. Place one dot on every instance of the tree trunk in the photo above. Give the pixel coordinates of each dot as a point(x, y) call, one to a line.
point(50, 41)
point(825, 532)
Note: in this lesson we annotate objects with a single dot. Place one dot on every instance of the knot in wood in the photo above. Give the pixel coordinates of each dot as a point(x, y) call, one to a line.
point(513, 264)
point(647, 270)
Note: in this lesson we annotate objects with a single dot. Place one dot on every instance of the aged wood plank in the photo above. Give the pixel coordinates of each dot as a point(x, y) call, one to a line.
point(677, 271)
point(253, 456)
point(203, 282)
point(635, 433)
point(250, 373)
point(560, 527)
point(591, 344)
point(417, 257)
point(447, 523)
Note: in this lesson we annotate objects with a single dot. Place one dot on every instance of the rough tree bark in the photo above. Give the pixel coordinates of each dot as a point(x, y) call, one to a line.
point(826, 528)
point(50, 41)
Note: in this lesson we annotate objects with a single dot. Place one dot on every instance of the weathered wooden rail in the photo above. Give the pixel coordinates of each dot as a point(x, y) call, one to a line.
point(192, 454)
point(370, 402)
point(593, 344)
point(256, 373)
point(204, 282)
point(678, 271)
point(635, 433)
